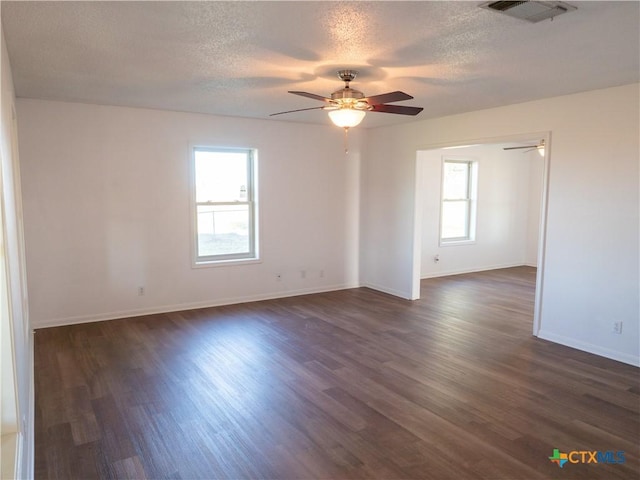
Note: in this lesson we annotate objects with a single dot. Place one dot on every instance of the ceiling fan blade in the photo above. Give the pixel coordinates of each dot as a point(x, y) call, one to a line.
point(396, 96)
point(298, 110)
point(312, 95)
point(399, 109)
point(516, 148)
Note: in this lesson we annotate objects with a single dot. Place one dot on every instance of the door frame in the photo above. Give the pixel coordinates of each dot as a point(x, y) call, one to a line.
point(542, 229)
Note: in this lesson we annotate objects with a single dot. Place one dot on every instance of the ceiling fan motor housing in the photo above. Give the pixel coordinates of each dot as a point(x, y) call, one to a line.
point(348, 97)
point(347, 93)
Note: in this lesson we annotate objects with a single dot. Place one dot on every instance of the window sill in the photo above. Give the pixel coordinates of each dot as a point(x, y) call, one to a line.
point(226, 263)
point(455, 243)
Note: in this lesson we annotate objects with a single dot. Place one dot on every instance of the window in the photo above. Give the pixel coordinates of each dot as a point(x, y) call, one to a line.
point(457, 219)
point(225, 211)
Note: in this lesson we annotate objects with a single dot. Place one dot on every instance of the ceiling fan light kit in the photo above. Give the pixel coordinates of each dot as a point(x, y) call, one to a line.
point(346, 117)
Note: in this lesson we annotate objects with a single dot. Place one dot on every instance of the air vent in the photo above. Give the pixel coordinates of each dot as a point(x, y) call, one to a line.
point(530, 11)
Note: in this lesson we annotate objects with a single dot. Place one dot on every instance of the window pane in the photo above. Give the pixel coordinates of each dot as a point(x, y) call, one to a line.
point(223, 230)
point(221, 176)
point(456, 181)
point(454, 219)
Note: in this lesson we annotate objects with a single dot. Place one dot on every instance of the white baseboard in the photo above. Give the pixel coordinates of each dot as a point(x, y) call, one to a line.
point(472, 270)
point(99, 317)
point(590, 348)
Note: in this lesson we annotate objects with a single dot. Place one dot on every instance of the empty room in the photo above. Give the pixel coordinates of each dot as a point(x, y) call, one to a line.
point(320, 239)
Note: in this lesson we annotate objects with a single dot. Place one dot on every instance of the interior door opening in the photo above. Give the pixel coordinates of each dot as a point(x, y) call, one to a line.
point(510, 209)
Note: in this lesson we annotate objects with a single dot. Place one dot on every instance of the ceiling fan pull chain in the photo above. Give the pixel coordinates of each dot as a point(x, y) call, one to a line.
point(346, 140)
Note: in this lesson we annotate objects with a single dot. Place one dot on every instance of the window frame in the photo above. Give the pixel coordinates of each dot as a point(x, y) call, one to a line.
point(470, 200)
point(252, 256)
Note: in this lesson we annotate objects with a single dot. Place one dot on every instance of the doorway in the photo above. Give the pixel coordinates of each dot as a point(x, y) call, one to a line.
point(504, 184)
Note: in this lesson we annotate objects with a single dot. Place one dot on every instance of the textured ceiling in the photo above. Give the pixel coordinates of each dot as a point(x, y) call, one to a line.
point(240, 58)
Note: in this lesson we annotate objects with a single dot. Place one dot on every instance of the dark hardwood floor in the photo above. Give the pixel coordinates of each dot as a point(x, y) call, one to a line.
point(348, 384)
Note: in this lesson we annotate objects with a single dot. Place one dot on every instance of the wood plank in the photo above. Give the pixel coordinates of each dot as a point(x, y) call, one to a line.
point(348, 384)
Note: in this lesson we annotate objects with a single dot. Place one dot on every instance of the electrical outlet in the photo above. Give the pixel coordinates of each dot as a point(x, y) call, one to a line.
point(278, 277)
point(140, 291)
point(436, 258)
point(303, 274)
point(321, 273)
point(617, 328)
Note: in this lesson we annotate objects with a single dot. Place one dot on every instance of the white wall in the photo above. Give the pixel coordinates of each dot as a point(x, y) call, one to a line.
point(107, 209)
point(16, 343)
point(591, 262)
point(504, 234)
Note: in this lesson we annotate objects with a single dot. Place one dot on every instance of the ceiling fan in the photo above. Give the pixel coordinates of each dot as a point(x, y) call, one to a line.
point(539, 147)
point(347, 106)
